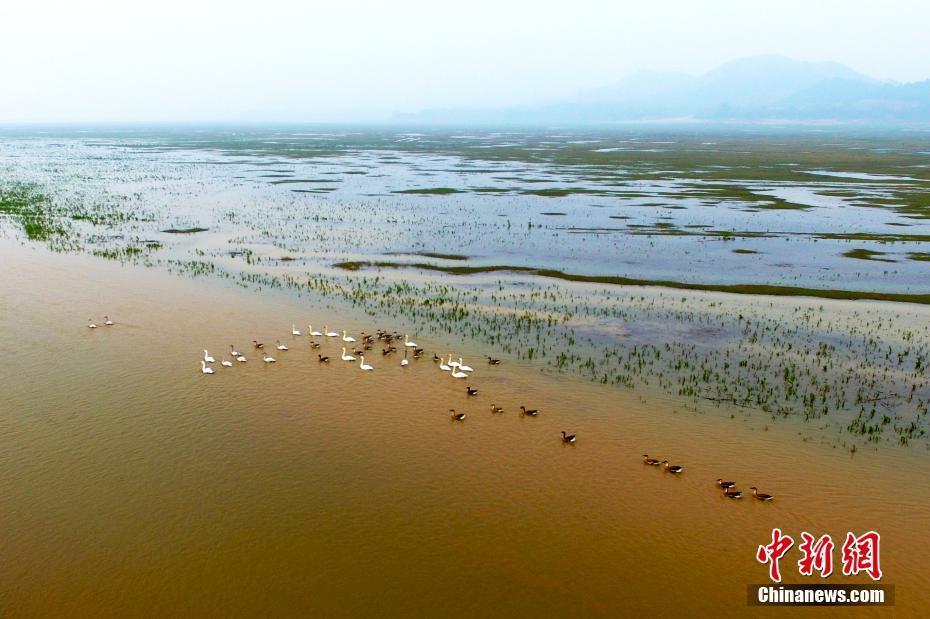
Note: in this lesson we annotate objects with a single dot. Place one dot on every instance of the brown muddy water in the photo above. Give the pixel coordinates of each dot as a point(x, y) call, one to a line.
point(132, 484)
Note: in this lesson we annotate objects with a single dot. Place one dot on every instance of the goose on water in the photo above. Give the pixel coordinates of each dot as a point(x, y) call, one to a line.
point(457, 416)
point(672, 468)
point(650, 461)
point(726, 485)
point(323, 359)
point(531, 412)
point(570, 438)
point(761, 495)
point(497, 409)
point(471, 391)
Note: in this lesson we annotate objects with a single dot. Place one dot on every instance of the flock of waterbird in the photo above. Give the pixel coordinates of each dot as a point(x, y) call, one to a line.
point(728, 487)
point(457, 369)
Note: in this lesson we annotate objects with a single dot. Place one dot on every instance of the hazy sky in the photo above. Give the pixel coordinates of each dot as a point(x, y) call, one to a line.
point(309, 60)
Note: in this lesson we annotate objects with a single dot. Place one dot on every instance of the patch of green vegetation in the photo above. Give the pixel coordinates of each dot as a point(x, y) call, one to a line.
point(129, 252)
point(430, 191)
point(745, 251)
point(919, 256)
point(287, 181)
point(27, 204)
point(184, 230)
point(866, 254)
point(744, 194)
point(561, 192)
point(430, 254)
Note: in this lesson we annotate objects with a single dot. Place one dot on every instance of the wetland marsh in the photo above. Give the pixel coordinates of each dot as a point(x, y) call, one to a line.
point(750, 303)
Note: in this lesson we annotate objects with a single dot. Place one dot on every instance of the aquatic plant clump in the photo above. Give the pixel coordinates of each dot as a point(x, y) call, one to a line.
point(26, 204)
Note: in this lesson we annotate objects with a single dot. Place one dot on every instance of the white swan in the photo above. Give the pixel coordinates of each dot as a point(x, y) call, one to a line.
point(90, 324)
point(313, 333)
point(347, 338)
point(267, 358)
point(280, 346)
point(241, 359)
point(226, 363)
point(204, 368)
point(294, 330)
point(329, 333)
point(233, 352)
point(403, 362)
point(365, 366)
point(451, 363)
point(346, 357)
point(456, 373)
point(464, 368)
point(208, 358)
point(407, 342)
point(444, 366)
point(107, 321)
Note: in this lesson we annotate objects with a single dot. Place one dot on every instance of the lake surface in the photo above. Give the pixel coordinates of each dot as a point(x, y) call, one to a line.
point(131, 483)
point(743, 208)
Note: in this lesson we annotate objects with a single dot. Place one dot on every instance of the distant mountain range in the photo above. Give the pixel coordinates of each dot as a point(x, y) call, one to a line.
point(759, 88)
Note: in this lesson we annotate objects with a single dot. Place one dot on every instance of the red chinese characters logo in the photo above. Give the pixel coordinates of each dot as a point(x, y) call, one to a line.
point(859, 554)
point(818, 555)
point(773, 552)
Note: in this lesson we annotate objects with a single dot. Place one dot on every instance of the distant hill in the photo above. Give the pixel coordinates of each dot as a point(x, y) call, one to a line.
point(749, 89)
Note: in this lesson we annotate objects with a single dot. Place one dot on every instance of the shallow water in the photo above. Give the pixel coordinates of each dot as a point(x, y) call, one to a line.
point(130, 483)
point(352, 194)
